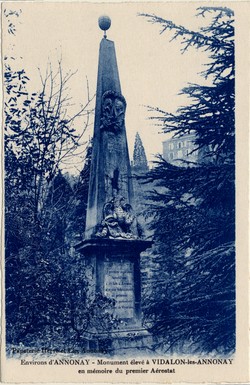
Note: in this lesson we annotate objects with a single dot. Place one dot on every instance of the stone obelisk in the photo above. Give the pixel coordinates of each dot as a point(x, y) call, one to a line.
point(110, 168)
point(113, 238)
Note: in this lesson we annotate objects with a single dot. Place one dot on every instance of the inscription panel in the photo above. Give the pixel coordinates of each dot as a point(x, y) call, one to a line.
point(119, 285)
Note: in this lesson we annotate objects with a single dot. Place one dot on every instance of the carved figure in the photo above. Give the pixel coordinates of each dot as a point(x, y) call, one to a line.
point(118, 220)
point(113, 111)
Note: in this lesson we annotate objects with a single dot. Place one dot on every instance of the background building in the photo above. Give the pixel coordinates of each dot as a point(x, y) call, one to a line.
point(177, 149)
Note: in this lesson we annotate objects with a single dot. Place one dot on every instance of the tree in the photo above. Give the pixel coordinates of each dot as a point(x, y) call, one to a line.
point(211, 115)
point(192, 303)
point(38, 128)
point(44, 290)
point(140, 162)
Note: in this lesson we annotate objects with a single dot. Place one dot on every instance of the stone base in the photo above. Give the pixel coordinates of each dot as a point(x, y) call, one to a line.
point(118, 343)
point(113, 267)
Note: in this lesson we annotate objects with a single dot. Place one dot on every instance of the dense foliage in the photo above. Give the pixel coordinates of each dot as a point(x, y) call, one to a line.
point(191, 304)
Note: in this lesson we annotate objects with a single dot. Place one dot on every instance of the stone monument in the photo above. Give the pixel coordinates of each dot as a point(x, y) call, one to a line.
point(113, 238)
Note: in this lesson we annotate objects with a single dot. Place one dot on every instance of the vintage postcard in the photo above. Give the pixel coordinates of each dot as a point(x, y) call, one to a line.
point(125, 149)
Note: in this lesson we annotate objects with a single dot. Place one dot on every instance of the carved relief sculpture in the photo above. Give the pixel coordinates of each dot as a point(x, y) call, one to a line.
point(118, 221)
point(113, 111)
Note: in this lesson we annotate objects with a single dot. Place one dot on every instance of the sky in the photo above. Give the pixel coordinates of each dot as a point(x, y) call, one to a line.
point(152, 69)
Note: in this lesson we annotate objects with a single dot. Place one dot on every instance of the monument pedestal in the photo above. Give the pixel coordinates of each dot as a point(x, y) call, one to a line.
point(113, 270)
point(113, 243)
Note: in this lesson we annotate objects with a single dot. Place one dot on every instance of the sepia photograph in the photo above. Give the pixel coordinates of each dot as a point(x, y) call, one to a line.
point(125, 179)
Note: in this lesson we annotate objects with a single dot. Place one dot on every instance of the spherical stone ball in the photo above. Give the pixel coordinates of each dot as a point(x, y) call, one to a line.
point(104, 22)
